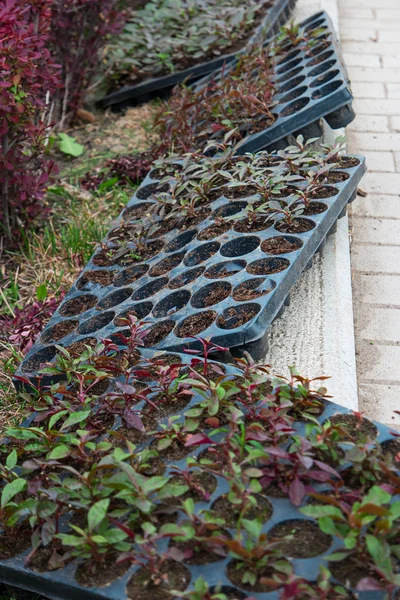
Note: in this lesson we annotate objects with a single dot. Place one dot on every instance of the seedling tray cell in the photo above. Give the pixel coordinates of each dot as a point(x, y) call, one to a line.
point(310, 85)
point(62, 585)
point(229, 287)
point(161, 86)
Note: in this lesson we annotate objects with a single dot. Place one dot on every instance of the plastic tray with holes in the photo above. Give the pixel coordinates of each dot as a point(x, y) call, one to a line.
point(131, 95)
point(276, 510)
point(225, 284)
point(311, 84)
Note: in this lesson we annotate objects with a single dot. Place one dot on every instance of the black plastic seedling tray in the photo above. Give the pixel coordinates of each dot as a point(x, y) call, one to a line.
point(309, 87)
point(62, 585)
point(161, 86)
point(167, 296)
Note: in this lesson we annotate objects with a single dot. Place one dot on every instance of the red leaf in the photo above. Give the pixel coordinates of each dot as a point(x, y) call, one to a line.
point(197, 439)
point(296, 491)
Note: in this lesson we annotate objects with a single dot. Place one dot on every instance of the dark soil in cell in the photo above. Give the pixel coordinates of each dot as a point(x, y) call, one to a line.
point(227, 210)
point(236, 575)
point(201, 553)
point(345, 162)
point(185, 278)
point(327, 191)
point(225, 269)
point(158, 332)
point(307, 540)
point(201, 253)
point(274, 491)
point(214, 230)
point(181, 240)
point(77, 348)
point(267, 266)
point(191, 221)
point(281, 245)
point(237, 315)
point(176, 451)
point(101, 574)
point(212, 373)
point(196, 323)
point(102, 278)
point(201, 486)
point(230, 513)
point(350, 571)
point(144, 585)
point(315, 208)
point(12, 545)
point(319, 59)
point(334, 177)
point(40, 560)
point(153, 188)
point(392, 447)
point(251, 289)
point(59, 330)
point(160, 173)
point(140, 312)
point(211, 294)
point(130, 275)
point(150, 250)
point(136, 212)
point(240, 191)
point(162, 228)
point(166, 265)
point(78, 305)
point(114, 298)
point(259, 223)
point(298, 225)
point(294, 107)
point(360, 430)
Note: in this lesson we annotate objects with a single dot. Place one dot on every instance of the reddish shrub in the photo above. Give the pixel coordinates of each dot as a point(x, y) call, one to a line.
point(28, 79)
point(79, 31)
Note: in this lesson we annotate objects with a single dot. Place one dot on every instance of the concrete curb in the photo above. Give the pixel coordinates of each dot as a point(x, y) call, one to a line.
point(316, 333)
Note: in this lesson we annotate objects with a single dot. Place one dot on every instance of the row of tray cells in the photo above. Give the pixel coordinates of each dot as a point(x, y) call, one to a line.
point(210, 294)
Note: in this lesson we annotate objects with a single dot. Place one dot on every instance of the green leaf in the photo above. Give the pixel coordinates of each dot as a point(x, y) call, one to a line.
point(68, 145)
point(377, 549)
point(327, 525)
point(56, 418)
point(12, 460)
point(322, 511)
point(12, 489)
point(76, 417)
point(60, 451)
point(97, 513)
point(41, 292)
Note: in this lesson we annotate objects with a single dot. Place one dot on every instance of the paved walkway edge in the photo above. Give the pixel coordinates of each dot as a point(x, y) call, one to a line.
point(316, 333)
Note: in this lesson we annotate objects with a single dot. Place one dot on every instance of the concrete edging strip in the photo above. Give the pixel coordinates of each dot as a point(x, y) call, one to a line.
point(316, 332)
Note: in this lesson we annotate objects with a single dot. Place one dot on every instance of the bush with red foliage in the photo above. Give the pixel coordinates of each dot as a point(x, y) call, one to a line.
point(24, 328)
point(129, 168)
point(28, 80)
point(79, 31)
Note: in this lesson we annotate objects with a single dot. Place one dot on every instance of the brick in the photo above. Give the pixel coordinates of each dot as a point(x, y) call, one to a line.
point(376, 231)
point(377, 259)
point(393, 4)
point(356, 13)
point(373, 141)
point(376, 205)
point(380, 324)
point(365, 106)
point(378, 362)
point(378, 289)
point(352, 34)
point(391, 61)
point(377, 183)
point(395, 123)
point(389, 37)
point(361, 60)
point(397, 161)
point(370, 123)
point(368, 90)
point(375, 24)
point(379, 161)
point(379, 401)
point(393, 90)
point(385, 14)
point(371, 74)
point(372, 48)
